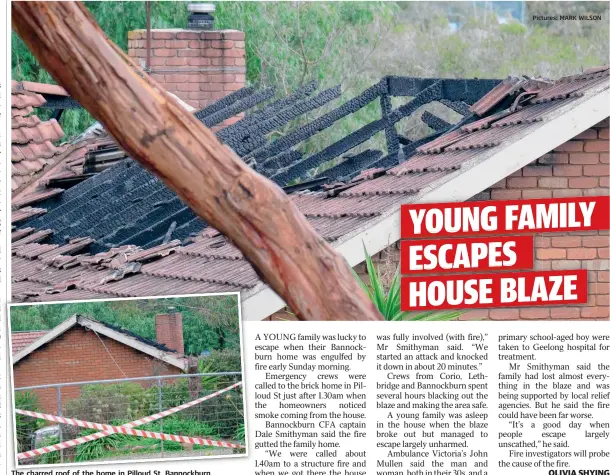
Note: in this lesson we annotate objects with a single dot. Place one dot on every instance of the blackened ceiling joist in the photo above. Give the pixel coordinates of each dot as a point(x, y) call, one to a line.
point(238, 107)
point(457, 106)
point(433, 121)
point(59, 102)
point(431, 93)
point(321, 123)
point(224, 102)
point(467, 90)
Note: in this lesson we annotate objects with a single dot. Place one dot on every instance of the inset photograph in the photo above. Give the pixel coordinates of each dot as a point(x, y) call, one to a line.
point(127, 380)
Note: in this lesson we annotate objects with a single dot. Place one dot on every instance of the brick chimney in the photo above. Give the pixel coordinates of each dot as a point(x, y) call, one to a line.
point(168, 327)
point(198, 66)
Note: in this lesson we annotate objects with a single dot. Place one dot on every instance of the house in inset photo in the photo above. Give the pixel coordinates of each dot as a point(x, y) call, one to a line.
point(83, 349)
point(170, 367)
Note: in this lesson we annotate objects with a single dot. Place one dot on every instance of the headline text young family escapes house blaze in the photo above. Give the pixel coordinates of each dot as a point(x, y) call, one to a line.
point(496, 253)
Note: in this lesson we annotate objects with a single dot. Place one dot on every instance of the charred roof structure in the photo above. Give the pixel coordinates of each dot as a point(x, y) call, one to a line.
point(123, 233)
point(128, 205)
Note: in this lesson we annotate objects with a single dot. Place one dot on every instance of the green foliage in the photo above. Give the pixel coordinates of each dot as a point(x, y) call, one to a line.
point(25, 426)
point(51, 457)
point(513, 28)
point(229, 359)
point(104, 402)
point(240, 434)
point(209, 323)
point(479, 45)
point(180, 426)
point(388, 303)
point(100, 448)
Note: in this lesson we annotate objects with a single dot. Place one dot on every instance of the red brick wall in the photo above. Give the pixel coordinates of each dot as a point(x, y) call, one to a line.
point(78, 355)
point(199, 67)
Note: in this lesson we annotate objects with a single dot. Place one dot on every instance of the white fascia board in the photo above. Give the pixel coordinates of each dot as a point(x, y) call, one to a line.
point(474, 177)
point(85, 322)
point(46, 338)
point(134, 343)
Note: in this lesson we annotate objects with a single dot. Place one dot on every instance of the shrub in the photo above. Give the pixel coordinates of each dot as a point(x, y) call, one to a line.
point(51, 457)
point(225, 360)
point(25, 426)
point(99, 448)
point(240, 433)
point(104, 402)
point(388, 303)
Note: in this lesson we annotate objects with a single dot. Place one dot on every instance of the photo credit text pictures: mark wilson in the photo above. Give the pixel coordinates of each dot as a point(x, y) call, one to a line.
point(498, 252)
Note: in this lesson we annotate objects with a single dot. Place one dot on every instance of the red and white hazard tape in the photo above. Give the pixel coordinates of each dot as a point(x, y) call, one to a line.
point(125, 430)
point(121, 429)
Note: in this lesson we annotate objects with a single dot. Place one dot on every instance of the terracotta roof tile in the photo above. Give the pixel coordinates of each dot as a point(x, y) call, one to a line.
point(38, 236)
point(485, 122)
point(28, 121)
point(36, 197)
point(20, 340)
point(493, 97)
point(213, 248)
point(32, 151)
point(32, 250)
point(23, 101)
point(394, 184)
point(432, 163)
point(20, 233)
point(437, 145)
point(38, 133)
point(353, 206)
point(42, 88)
point(16, 112)
point(487, 138)
point(184, 267)
point(25, 213)
point(32, 140)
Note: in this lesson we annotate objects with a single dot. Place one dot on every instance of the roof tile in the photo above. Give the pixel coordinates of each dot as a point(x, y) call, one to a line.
point(493, 97)
point(20, 340)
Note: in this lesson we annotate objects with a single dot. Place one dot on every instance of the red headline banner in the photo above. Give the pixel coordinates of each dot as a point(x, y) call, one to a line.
point(466, 254)
point(505, 217)
point(494, 290)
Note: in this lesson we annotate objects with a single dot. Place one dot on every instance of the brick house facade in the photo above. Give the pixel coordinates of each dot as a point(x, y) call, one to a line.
point(579, 167)
point(77, 355)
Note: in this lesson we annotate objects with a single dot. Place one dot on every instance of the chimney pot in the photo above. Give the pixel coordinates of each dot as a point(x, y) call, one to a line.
point(200, 16)
point(168, 328)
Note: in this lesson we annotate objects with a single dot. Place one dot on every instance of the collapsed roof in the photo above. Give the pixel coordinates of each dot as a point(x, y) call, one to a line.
point(128, 205)
point(145, 242)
